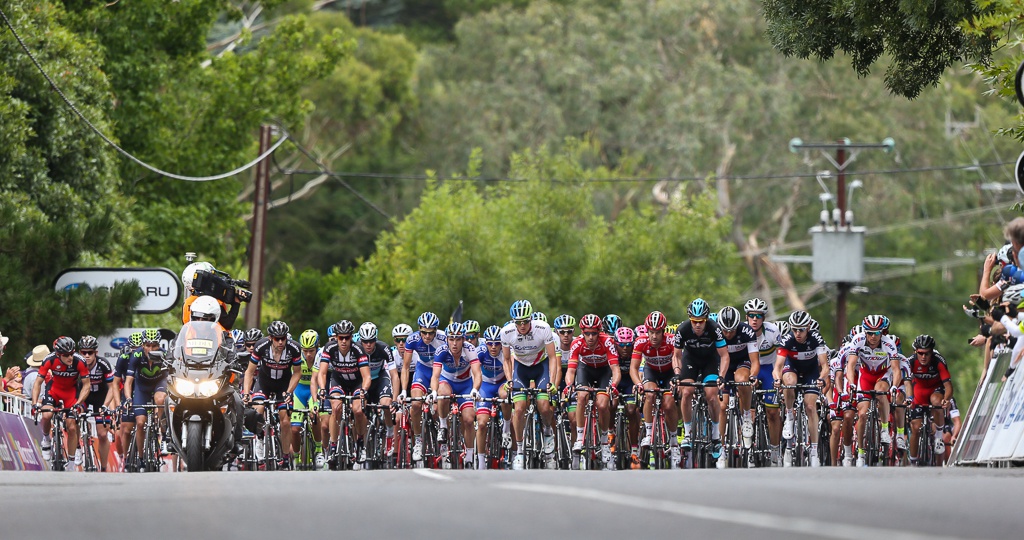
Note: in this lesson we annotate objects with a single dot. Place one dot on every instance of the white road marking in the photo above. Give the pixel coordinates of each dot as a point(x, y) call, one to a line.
point(743, 518)
point(432, 475)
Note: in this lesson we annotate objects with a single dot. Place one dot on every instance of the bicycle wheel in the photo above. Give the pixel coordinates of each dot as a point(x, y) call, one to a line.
point(733, 438)
point(58, 457)
point(824, 438)
point(621, 450)
point(800, 438)
point(131, 454)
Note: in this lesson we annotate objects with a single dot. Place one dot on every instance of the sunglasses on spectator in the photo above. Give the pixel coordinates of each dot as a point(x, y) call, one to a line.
point(565, 332)
point(346, 337)
point(755, 315)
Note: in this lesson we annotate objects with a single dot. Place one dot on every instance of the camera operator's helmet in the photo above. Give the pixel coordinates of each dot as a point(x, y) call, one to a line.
point(278, 329)
point(190, 272)
point(253, 335)
point(152, 335)
point(205, 308)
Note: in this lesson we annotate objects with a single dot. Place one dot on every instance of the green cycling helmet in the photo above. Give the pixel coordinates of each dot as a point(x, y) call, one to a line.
point(309, 339)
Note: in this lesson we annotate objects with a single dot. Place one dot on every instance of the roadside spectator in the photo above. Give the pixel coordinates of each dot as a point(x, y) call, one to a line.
point(33, 361)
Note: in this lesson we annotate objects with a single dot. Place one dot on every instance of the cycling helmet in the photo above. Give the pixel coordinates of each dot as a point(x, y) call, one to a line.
point(755, 305)
point(237, 335)
point(472, 327)
point(401, 330)
point(63, 345)
point(885, 322)
point(205, 308)
point(590, 322)
point(368, 332)
point(1005, 254)
point(455, 330)
point(713, 316)
point(190, 272)
point(729, 318)
point(521, 310)
point(539, 316)
point(698, 309)
point(331, 330)
point(624, 335)
point(896, 342)
point(88, 343)
point(344, 327)
point(873, 323)
point(814, 325)
point(564, 321)
point(253, 335)
point(492, 333)
point(151, 335)
point(783, 327)
point(611, 323)
point(655, 321)
point(857, 329)
point(428, 320)
point(640, 331)
point(671, 329)
point(278, 329)
point(135, 340)
point(799, 319)
point(309, 339)
point(1013, 294)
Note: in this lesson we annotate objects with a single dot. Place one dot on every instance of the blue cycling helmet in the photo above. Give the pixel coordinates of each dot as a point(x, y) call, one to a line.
point(539, 316)
point(492, 333)
point(698, 309)
point(521, 310)
point(330, 331)
point(713, 317)
point(428, 320)
point(455, 330)
point(610, 323)
point(564, 321)
point(885, 323)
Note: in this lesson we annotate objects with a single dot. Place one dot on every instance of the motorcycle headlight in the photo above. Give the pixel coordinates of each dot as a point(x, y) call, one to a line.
point(209, 388)
point(184, 387)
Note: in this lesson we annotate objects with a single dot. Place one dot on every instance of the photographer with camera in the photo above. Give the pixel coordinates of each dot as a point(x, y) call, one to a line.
point(202, 279)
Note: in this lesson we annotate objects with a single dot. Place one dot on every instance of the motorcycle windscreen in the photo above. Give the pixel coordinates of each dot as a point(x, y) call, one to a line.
point(199, 342)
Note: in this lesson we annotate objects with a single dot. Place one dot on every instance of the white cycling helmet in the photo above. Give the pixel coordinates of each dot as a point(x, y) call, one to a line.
point(190, 271)
point(205, 308)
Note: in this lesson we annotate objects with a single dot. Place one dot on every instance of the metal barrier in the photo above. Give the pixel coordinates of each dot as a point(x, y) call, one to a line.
point(993, 432)
point(15, 404)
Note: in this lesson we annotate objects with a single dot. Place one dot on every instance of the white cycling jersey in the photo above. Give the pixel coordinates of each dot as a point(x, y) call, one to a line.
point(874, 361)
point(529, 349)
point(767, 343)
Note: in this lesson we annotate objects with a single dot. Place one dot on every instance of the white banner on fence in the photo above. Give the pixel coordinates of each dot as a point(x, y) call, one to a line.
point(1004, 432)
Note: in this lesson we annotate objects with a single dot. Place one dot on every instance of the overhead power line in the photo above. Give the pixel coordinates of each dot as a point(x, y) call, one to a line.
point(243, 168)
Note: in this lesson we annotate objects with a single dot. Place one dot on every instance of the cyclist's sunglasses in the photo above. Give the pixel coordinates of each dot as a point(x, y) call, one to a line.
point(493, 343)
point(755, 315)
point(697, 321)
point(565, 332)
point(874, 333)
point(590, 334)
point(399, 340)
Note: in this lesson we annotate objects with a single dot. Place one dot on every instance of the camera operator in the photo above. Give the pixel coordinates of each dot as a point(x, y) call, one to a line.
point(228, 314)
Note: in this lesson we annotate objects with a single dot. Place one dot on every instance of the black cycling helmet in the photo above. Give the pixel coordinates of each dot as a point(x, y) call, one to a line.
point(278, 329)
point(88, 343)
point(63, 345)
point(924, 341)
point(253, 335)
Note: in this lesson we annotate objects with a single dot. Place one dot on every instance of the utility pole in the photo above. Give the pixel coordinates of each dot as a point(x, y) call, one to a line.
point(842, 288)
point(259, 230)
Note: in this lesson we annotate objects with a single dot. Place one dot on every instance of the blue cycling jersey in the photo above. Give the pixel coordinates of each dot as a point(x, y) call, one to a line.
point(424, 351)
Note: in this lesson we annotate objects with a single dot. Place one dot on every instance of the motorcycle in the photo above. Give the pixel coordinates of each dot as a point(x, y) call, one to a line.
point(202, 400)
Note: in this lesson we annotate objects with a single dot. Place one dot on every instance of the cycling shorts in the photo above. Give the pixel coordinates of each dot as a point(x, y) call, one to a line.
point(60, 399)
point(301, 397)
point(340, 389)
point(421, 377)
point(806, 373)
point(488, 390)
point(523, 375)
point(464, 386)
point(143, 394)
point(593, 377)
point(867, 381)
point(923, 393)
point(767, 378)
point(380, 388)
point(267, 388)
point(699, 368)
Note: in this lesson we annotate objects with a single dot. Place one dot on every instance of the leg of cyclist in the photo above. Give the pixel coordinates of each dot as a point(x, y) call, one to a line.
point(767, 378)
point(811, 408)
point(420, 384)
point(468, 411)
point(444, 407)
point(883, 409)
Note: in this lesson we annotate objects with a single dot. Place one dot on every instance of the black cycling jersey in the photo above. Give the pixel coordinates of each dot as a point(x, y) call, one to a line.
point(343, 369)
point(738, 346)
point(704, 345)
point(803, 355)
point(276, 368)
point(378, 359)
point(100, 376)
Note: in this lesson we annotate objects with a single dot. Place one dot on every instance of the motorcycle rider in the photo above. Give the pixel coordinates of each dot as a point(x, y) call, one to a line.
point(207, 308)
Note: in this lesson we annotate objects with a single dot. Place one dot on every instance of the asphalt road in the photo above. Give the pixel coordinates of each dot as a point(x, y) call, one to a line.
point(894, 504)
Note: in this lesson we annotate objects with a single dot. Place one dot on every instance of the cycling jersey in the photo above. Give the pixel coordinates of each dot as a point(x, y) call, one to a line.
point(379, 359)
point(740, 347)
point(929, 378)
point(145, 371)
point(302, 393)
point(563, 354)
point(274, 367)
point(424, 351)
point(454, 368)
point(601, 355)
point(529, 349)
point(657, 359)
point(704, 345)
point(491, 367)
point(62, 379)
point(803, 356)
point(768, 341)
point(100, 376)
point(343, 368)
point(872, 361)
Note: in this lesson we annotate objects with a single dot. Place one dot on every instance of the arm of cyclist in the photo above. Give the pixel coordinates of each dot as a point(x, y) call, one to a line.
point(435, 380)
point(755, 359)
point(723, 364)
point(406, 358)
point(129, 381)
point(554, 366)
point(634, 368)
point(296, 376)
point(851, 367)
point(364, 372)
point(478, 378)
point(613, 362)
point(823, 374)
point(780, 362)
point(250, 373)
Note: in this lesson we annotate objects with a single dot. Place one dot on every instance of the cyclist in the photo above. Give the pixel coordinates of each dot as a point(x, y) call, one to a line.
point(539, 316)
point(872, 364)
point(654, 351)
point(276, 366)
point(840, 405)
point(564, 326)
point(595, 363)
point(700, 353)
point(349, 371)
point(624, 340)
point(252, 335)
point(421, 345)
point(146, 382)
point(610, 323)
point(802, 359)
point(456, 372)
point(127, 421)
point(382, 373)
point(102, 395)
point(399, 334)
point(768, 339)
point(529, 347)
point(899, 391)
point(472, 332)
point(932, 386)
point(494, 375)
point(744, 364)
point(62, 370)
point(302, 398)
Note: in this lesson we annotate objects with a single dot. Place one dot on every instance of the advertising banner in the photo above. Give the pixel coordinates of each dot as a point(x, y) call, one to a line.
point(18, 449)
point(160, 287)
point(110, 346)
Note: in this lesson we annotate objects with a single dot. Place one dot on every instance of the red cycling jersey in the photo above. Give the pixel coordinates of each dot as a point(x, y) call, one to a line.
point(62, 379)
point(657, 358)
point(928, 377)
point(603, 354)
